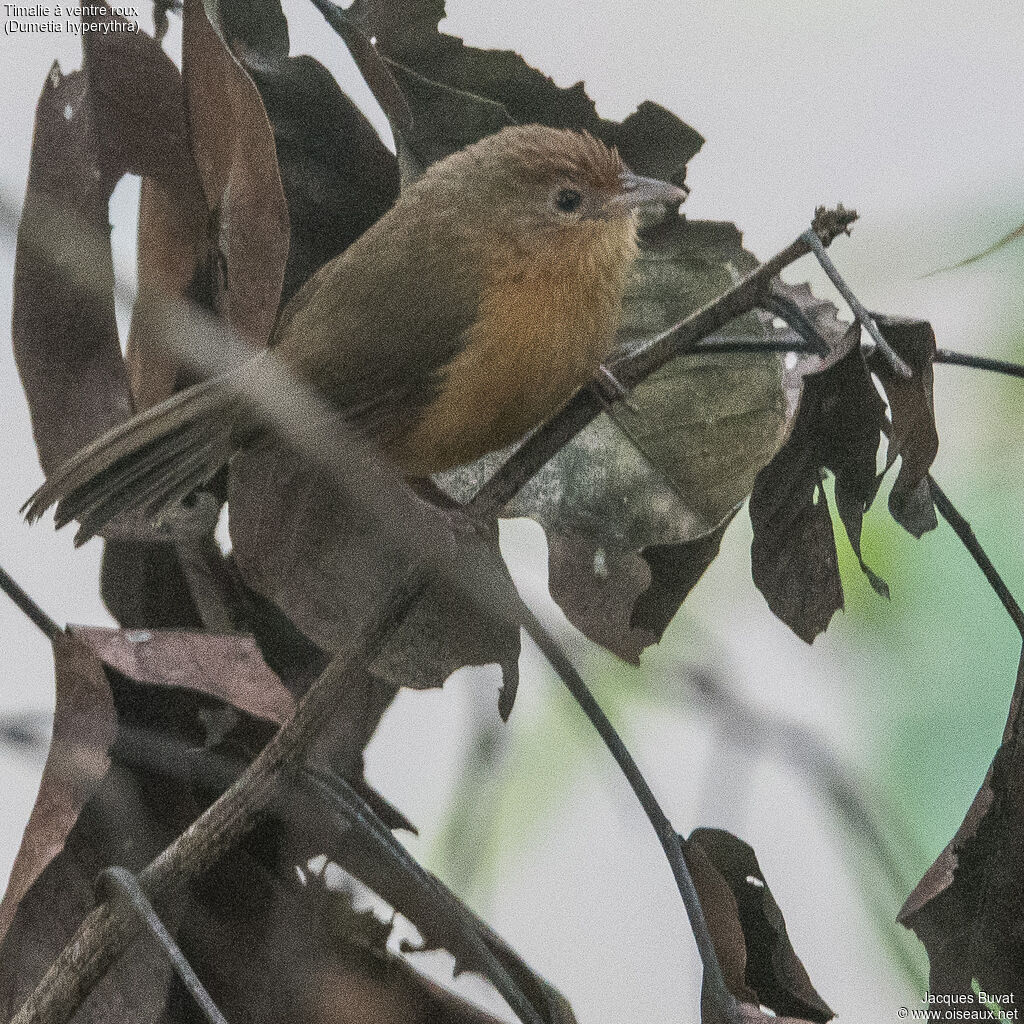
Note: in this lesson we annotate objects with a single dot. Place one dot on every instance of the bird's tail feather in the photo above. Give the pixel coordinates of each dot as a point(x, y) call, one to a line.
point(144, 465)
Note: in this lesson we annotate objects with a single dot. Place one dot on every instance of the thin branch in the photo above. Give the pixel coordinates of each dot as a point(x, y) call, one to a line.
point(786, 309)
point(864, 318)
point(729, 346)
point(632, 368)
point(963, 530)
point(1009, 237)
point(667, 835)
point(123, 883)
point(14, 591)
point(948, 356)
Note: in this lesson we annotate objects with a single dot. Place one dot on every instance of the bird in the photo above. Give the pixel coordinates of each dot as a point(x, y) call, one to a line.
point(469, 313)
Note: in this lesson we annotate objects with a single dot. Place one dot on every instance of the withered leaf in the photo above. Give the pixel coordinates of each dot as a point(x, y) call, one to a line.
point(83, 731)
point(966, 908)
point(233, 146)
point(675, 571)
point(63, 326)
point(141, 126)
point(915, 438)
point(360, 843)
point(172, 261)
point(337, 175)
point(599, 588)
point(323, 559)
point(460, 93)
point(793, 554)
point(229, 668)
point(760, 966)
point(172, 232)
point(133, 762)
point(625, 600)
point(838, 428)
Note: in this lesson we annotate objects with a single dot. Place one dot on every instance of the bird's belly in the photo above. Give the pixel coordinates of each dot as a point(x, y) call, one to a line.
point(521, 363)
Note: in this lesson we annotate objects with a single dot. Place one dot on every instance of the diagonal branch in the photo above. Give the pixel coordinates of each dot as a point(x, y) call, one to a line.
point(632, 368)
point(963, 530)
point(669, 838)
point(875, 339)
point(10, 586)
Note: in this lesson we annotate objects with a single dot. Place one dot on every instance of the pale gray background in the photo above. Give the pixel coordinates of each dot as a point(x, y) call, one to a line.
point(909, 111)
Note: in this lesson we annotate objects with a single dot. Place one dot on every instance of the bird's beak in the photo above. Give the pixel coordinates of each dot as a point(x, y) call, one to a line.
point(635, 190)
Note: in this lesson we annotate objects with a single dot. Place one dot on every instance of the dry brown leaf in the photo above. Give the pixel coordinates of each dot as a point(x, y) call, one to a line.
point(758, 961)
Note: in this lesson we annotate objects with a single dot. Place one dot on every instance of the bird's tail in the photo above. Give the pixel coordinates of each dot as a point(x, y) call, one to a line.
point(146, 464)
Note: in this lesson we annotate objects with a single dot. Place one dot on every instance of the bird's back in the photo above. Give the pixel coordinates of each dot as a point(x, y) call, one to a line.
point(373, 329)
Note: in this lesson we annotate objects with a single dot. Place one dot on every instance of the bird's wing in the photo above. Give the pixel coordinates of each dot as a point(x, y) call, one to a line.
point(374, 329)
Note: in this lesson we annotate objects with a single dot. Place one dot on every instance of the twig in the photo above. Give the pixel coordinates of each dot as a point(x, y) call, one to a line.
point(107, 930)
point(963, 530)
point(945, 355)
point(126, 885)
point(729, 346)
point(866, 320)
point(632, 368)
point(1011, 236)
point(785, 308)
point(667, 835)
point(13, 590)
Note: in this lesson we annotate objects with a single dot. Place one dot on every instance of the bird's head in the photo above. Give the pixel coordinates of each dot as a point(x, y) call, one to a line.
point(532, 181)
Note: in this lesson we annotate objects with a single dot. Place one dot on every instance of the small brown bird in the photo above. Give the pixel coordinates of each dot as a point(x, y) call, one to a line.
point(469, 313)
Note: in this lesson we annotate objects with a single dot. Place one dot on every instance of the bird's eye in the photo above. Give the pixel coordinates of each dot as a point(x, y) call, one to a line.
point(568, 200)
